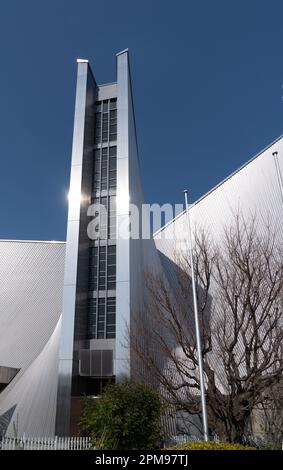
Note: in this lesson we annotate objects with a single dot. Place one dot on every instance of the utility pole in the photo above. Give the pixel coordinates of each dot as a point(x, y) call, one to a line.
point(199, 348)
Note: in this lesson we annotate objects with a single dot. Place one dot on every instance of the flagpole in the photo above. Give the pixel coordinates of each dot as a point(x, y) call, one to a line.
point(199, 349)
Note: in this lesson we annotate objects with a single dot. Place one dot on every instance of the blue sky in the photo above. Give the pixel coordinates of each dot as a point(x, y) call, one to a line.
point(207, 79)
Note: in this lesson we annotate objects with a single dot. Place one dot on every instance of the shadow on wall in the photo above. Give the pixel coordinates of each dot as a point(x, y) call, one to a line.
point(180, 282)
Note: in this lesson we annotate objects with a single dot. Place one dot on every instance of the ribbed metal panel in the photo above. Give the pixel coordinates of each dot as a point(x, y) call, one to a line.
point(254, 189)
point(84, 358)
point(31, 283)
point(34, 392)
point(107, 363)
point(96, 362)
point(31, 286)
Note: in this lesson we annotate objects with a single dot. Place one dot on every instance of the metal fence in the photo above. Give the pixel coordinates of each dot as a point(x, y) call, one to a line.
point(259, 441)
point(45, 443)
point(83, 443)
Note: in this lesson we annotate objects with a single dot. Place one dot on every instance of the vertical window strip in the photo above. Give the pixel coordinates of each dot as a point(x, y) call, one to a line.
point(102, 266)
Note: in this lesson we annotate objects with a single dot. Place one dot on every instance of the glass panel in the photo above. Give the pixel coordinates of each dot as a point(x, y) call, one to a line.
point(112, 163)
point(113, 151)
point(113, 103)
point(111, 318)
point(92, 318)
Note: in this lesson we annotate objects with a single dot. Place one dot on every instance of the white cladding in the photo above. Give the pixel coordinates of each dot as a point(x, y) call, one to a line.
point(33, 393)
point(254, 189)
point(31, 289)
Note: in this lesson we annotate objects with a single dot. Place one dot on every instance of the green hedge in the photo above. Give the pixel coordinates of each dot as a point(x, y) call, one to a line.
point(211, 446)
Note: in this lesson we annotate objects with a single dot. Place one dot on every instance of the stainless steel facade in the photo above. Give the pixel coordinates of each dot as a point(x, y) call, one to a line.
point(98, 301)
point(98, 285)
point(103, 278)
point(74, 290)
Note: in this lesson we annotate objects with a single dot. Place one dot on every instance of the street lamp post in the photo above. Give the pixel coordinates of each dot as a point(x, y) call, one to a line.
point(199, 351)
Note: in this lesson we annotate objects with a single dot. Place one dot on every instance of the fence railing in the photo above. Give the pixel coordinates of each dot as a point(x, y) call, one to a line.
point(255, 440)
point(45, 443)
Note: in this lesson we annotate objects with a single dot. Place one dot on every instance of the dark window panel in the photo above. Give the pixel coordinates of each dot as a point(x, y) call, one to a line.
point(113, 151)
point(112, 249)
point(111, 319)
point(113, 103)
point(111, 285)
point(112, 183)
point(110, 335)
point(111, 270)
point(112, 163)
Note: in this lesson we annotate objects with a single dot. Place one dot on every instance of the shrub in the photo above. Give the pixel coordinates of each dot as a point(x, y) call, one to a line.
point(211, 446)
point(125, 416)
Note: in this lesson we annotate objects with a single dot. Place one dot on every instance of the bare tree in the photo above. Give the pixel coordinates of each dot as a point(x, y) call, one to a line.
point(240, 297)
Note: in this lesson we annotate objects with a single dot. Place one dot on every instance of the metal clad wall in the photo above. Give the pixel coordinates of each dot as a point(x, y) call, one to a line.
point(75, 274)
point(31, 291)
point(34, 392)
point(123, 196)
point(31, 287)
point(254, 189)
point(134, 256)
